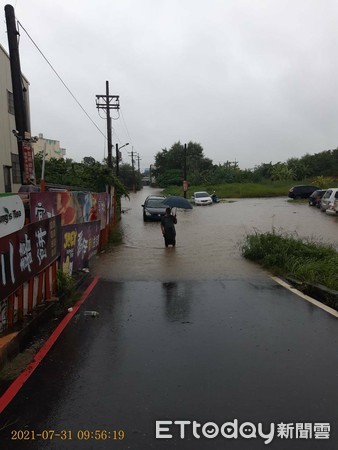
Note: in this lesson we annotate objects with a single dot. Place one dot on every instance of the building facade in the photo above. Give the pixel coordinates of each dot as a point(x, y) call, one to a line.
point(50, 147)
point(10, 175)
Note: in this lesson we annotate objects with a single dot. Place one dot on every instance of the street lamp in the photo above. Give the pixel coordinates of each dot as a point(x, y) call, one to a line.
point(118, 157)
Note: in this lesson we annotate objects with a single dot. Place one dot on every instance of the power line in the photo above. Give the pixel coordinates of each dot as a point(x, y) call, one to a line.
point(59, 77)
point(125, 125)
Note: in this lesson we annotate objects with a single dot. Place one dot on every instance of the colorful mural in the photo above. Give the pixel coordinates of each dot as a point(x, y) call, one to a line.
point(74, 207)
point(79, 243)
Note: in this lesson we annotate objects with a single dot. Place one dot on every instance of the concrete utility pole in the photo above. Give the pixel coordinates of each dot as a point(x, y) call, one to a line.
point(108, 102)
point(133, 168)
point(138, 163)
point(117, 160)
point(118, 157)
point(21, 122)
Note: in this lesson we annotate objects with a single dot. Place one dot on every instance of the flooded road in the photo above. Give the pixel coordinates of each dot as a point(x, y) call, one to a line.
point(208, 239)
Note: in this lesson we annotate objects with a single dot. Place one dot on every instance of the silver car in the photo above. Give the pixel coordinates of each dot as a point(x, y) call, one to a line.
point(329, 201)
point(201, 198)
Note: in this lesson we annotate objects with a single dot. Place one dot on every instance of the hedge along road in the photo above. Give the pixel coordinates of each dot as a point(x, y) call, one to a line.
point(190, 334)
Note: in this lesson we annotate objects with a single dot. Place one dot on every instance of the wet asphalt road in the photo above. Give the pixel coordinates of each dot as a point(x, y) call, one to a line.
point(215, 349)
point(211, 351)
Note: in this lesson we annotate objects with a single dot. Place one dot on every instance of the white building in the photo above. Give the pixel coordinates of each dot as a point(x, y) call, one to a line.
point(51, 148)
point(10, 177)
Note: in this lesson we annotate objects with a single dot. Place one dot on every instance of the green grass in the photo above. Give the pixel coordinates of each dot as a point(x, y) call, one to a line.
point(238, 190)
point(307, 261)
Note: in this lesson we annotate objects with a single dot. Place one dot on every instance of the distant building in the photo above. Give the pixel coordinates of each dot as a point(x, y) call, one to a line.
point(50, 146)
point(10, 176)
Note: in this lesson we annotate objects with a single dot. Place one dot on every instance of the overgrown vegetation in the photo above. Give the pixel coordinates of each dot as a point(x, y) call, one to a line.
point(236, 190)
point(66, 289)
point(88, 175)
point(285, 254)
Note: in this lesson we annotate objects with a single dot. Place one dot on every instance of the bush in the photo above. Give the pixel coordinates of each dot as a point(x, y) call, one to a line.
point(286, 254)
point(66, 289)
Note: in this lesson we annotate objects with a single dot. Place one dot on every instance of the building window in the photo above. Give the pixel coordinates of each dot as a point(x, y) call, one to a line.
point(10, 99)
point(7, 178)
point(16, 174)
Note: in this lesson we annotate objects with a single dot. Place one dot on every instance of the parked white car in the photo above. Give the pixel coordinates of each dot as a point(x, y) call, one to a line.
point(329, 201)
point(201, 198)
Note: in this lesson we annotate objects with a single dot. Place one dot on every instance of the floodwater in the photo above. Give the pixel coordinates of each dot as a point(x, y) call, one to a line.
point(209, 239)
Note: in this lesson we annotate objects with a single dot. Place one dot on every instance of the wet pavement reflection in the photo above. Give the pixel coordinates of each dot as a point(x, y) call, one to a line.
point(209, 351)
point(208, 239)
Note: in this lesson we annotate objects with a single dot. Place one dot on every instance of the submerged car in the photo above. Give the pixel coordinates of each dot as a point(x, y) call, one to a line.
point(201, 198)
point(153, 208)
point(315, 197)
point(329, 201)
point(302, 191)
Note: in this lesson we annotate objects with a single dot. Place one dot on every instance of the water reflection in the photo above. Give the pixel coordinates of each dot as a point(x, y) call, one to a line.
point(177, 302)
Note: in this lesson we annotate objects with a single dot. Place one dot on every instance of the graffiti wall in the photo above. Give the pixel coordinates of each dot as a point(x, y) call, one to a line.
point(27, 252)
point(65, 229)
point(74, 207)
point(79, 243)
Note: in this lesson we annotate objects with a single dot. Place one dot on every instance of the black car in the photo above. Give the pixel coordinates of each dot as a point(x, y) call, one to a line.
point(315, 197)
point(153, 208)
point(302, 191)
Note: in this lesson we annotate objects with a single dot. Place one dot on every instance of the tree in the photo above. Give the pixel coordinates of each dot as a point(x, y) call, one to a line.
point(281, 172)
point(129, 177)
point(89, 175)
point(169, 164)
point(298, 168)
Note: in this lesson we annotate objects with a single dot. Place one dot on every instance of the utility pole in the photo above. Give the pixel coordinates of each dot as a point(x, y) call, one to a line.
point(138, 163)
point(108, 102)
point(22, 131)
point(133, 168)
point(118, 157)
point(185, 183)
point(117, 160)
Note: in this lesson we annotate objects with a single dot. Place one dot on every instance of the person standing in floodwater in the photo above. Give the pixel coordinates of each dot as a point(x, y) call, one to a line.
point(168, 222)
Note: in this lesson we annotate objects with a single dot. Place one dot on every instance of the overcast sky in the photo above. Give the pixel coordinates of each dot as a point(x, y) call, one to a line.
point(250, 80)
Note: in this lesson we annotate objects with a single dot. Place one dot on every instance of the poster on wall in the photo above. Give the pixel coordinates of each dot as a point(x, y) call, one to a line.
point(74, 207)
point(79, 243)
point(102, 208)
point(27, 252)
point(42, 206)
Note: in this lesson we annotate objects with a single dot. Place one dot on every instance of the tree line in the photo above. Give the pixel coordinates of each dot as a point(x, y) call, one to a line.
point(168, 170)
point(89, 174)
point(201, 170)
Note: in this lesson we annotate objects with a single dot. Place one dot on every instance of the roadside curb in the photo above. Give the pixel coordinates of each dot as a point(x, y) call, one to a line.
point(17, 384)
point(327, 296)
point(288, 285)
point(12, 343)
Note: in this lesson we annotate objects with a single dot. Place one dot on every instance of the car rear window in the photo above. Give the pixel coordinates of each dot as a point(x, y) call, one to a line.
point(156, 203)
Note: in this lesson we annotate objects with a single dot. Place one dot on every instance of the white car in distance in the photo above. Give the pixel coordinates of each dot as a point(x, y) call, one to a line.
point(201, 198)
point(329, 201)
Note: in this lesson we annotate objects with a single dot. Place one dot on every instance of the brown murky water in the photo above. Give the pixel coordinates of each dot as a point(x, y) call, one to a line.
point(208, 239)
